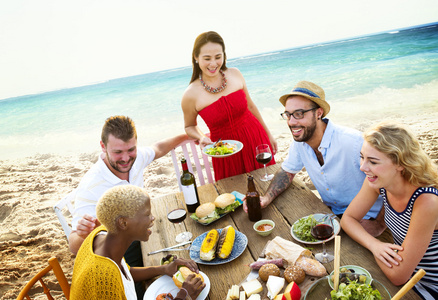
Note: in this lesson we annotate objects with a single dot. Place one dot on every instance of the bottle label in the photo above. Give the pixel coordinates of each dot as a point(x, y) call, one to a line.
point(189, 194)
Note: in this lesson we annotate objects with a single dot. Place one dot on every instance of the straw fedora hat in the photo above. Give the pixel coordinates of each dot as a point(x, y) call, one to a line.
point(312, 92)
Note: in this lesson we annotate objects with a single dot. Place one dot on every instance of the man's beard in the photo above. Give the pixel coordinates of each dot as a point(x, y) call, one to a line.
point(307, 132)
point(115, 167)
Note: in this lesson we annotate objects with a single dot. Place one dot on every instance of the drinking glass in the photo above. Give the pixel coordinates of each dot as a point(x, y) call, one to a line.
point(176, 213)
point(322, 231)
point(264, 156)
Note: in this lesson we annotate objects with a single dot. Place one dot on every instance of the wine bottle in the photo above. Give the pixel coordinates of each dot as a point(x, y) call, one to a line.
point(253, 201)
point(189, 188)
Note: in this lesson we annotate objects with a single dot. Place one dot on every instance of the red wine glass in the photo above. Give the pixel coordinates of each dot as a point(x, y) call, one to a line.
point(323, 231)
point(176, 213)
point(264, 156)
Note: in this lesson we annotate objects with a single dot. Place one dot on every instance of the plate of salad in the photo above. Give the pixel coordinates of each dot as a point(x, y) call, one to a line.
point(223, 148)
point(300, 230)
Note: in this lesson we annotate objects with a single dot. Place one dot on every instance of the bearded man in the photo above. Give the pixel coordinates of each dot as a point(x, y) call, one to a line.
point(330, 153)
point(120, 163)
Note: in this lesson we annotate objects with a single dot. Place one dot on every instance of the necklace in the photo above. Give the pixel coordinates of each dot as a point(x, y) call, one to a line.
point(215, 90)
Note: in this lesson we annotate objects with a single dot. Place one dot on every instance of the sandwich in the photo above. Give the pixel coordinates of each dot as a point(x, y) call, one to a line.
point(211, 211)
point(205, 213)
point(180, 276)
point(226, 203)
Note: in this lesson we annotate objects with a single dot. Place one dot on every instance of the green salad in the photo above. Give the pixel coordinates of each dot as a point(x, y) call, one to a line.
point(303, 227)
point(355, 291)
point(221, 149)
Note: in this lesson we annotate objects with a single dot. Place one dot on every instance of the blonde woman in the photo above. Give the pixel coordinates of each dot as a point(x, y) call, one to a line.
point(398, 169)
point(100, 271)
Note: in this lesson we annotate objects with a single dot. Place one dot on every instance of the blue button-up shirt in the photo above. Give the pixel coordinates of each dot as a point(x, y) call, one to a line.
point(339, 180)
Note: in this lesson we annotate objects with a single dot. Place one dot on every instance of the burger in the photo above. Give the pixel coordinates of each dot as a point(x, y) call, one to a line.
point(211, 211)
point(226, 203)
point(205, 213)
point(180, 276)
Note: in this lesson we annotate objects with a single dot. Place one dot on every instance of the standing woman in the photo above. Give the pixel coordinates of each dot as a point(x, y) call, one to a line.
point(220, 96)
point(397, 168)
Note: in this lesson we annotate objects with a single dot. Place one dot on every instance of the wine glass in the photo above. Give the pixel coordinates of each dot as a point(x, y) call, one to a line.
point(322, 231)
point(264, 156)
point(176, 213)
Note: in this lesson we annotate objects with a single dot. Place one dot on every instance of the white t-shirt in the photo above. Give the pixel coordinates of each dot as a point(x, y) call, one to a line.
point(99, 179)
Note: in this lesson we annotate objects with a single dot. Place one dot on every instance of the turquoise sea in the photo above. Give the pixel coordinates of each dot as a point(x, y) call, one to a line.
point(365, 78)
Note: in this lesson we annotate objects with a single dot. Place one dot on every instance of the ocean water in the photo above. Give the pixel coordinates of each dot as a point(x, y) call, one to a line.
point(365, 78)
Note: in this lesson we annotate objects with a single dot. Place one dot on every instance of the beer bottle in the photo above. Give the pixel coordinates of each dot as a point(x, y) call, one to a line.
point(253, 201)
point(190, 191)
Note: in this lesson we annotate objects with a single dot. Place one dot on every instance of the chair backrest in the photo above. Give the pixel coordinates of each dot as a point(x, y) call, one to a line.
point(66, 202)
point(60, 276)
point(195, 157)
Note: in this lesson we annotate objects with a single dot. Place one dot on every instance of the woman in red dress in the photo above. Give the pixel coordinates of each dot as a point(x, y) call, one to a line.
point(220, 96)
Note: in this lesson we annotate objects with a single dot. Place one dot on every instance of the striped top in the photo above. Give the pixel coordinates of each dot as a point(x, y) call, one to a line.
point(398, 223)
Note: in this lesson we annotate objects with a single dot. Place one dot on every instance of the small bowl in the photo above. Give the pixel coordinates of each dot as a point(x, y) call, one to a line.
point(264, 222)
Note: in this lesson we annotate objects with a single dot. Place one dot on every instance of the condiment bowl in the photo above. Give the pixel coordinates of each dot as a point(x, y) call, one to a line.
point(258, 227)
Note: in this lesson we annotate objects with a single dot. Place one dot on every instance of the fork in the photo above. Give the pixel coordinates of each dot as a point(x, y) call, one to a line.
point(215, 144)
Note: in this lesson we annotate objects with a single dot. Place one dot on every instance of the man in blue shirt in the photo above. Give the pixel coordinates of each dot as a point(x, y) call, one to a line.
point(330, 154)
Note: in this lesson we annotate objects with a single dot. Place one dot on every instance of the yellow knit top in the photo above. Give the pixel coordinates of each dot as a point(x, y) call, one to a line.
point(95, 277)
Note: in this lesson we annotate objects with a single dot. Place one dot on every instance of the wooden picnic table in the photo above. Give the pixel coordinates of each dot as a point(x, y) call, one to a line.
point(296, 202)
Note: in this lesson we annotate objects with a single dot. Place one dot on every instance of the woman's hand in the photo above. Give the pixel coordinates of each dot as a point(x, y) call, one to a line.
point(204, 141)
point(193, 286)
point(387, 253)
point(273, 144)
point(172, 268)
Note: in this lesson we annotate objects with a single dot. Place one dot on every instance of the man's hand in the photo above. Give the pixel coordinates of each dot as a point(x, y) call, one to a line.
point(86, 225)
point(264, 202)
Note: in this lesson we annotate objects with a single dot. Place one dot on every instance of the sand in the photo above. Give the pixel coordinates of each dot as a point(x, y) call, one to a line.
point(30, 232)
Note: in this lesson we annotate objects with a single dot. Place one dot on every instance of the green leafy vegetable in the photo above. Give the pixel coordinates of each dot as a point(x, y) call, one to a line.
point(223, 149)
point(355, 291)
point(303, 227)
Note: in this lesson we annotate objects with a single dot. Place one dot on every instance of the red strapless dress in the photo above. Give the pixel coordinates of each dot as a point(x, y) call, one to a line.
point(230, 119)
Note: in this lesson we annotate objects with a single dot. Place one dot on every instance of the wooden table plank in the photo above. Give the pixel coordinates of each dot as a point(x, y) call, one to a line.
point(296, 202)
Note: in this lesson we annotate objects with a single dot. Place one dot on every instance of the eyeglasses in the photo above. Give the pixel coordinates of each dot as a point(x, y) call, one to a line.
point(298, 114)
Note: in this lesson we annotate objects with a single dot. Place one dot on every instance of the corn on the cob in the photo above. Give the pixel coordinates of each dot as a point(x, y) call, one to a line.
point(226, 242)
point(209, 244)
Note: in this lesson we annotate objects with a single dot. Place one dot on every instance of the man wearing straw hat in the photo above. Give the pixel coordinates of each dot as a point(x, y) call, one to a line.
point(330, 154)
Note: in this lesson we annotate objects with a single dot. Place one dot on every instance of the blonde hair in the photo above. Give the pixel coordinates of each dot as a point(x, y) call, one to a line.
point(120, 201)
point(402, 147)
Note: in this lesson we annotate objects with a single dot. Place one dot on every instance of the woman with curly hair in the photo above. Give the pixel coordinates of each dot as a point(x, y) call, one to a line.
point(100, 271)
point(398, 169)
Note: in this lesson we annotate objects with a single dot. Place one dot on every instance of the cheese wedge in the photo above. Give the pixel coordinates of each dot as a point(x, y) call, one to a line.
point(252, 287)
point(242, 295)
point(255, 297)
point(275, 285)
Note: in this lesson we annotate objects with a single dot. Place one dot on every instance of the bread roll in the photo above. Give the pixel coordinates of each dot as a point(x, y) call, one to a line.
point(295, 274)
point(268, 269)
point(205, 209)
point(180, 276)
point(311, 266)
point(224, 200)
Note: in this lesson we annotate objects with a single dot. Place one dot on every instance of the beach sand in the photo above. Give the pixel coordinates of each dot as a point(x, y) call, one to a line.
point(30, 232)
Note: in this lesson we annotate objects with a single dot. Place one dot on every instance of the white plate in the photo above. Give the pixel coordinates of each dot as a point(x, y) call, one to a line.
point(357, 270)
point(336, 229)
point(165, 284)
point(231, 142)
point(240, 243)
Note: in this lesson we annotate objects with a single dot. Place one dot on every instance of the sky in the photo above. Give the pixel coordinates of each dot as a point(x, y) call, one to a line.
point(52, 44)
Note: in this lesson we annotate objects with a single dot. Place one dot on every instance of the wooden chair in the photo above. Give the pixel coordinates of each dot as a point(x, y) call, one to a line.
point(56, 267)
point(66, 202)
point(195, 156)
